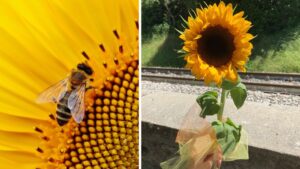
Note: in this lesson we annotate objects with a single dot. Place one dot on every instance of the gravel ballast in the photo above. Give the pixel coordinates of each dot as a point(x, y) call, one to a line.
point(149, 87)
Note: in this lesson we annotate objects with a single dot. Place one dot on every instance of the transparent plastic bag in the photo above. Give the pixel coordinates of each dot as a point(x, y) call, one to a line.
point(198, 146)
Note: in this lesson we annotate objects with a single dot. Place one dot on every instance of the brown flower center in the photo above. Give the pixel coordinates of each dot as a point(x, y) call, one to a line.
point(216, 46)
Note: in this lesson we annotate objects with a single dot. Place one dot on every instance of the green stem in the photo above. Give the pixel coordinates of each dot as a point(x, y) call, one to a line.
point(222, 104)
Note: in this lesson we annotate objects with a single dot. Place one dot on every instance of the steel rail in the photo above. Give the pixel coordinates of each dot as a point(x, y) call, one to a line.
point(290, 77)
point(264, 87)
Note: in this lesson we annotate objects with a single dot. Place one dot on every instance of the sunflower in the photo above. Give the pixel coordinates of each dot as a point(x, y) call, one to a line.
point(216, 43)
point(41, 42)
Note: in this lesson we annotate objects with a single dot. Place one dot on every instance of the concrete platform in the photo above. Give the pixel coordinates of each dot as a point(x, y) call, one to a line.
point(274, 131)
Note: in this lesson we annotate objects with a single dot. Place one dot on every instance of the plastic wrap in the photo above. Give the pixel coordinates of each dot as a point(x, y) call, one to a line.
point(198, 145)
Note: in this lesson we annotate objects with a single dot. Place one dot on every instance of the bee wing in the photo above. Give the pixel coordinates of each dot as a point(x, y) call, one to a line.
point(76, 103)
point(54, 93)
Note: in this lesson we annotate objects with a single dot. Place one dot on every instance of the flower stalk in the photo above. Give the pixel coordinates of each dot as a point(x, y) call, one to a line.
point(222, 104)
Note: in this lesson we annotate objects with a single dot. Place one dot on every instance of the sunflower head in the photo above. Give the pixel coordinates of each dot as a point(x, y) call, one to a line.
point(217, 43)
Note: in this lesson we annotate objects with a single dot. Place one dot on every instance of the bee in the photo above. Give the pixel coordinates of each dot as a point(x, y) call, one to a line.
point(68, 94)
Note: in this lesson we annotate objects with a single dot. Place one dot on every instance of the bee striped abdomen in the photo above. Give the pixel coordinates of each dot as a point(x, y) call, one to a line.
point(63, 112)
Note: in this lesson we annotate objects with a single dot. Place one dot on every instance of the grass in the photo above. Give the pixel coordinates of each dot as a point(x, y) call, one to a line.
point(161, 50)
point(149, 49)
point(284, 58)
point(278, 52)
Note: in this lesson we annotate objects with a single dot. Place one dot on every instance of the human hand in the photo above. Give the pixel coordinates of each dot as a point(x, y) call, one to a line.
point(211, 161)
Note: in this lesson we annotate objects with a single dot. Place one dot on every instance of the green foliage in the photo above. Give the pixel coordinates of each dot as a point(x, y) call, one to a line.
point(228, 85)
point(239, 94)
point(266, 15)
point(153, 16)
point(238, 91)
point(228, 135)
point(160, 50)
point(208, 102)
point(275, 22)
point(156, 12)
point(284, 57)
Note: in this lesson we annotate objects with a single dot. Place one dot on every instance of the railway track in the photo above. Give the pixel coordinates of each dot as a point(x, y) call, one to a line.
point(248, 75)
point(183, 76)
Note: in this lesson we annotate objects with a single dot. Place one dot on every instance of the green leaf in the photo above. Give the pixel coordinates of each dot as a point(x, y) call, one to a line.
point(208, 102)
point(228, 85)
point(228, 135)
point(181, 51)
point(185, 21)
point(191, 15)
point(212, 93)
point(209, 95)
point(239, 94)
point(210, 109)
point(179, 31)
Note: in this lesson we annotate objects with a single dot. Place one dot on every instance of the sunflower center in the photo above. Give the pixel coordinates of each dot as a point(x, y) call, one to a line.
point(108, 135)
point(216, 46)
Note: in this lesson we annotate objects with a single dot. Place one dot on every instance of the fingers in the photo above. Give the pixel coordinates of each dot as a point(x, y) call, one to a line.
point(204, 165)
point(211, 160)
point(219, 157)
point(219, 162)
point(207, 163)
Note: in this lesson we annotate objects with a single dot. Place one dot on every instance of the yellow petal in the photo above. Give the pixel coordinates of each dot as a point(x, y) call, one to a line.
point(19, 157)
point(9, 164)
point(24, 124)
point(29, 141)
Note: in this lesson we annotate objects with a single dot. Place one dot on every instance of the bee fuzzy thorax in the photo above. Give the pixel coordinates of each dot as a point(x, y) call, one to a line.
point(77, 77)
point(81, 74)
